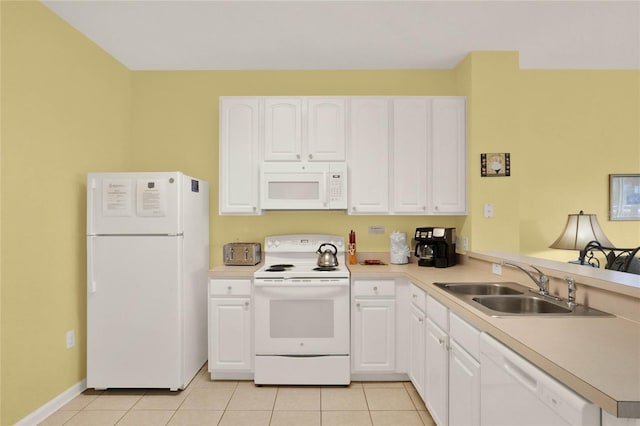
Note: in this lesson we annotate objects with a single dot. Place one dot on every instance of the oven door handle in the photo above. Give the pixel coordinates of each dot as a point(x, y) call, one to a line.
point(299, 284)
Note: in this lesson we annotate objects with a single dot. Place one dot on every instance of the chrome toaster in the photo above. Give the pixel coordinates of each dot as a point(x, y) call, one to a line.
point(242, 254)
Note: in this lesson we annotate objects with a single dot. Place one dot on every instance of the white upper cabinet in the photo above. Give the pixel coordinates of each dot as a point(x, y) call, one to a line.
point(406, 155)
point(448, 160)
point(411, 124)
point(368, 156)
point(325, 129)
point(239, 155)
point(282, 129)
point(304, 129)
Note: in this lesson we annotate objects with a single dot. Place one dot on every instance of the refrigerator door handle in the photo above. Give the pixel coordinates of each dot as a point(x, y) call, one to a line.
point(91, 283)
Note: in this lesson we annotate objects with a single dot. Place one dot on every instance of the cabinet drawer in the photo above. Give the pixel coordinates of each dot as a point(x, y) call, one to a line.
point(374, 288)
point(438, 313)
point(230, 287)
point(418, 297)
point(465, 334)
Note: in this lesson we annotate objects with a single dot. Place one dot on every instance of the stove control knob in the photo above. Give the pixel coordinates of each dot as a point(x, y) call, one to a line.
point(277, 243)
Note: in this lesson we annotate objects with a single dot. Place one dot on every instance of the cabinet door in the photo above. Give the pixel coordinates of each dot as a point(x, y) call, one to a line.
point(374, 335)
point(283, 129)
point(239, 155)
point(368, 156)
point(411, 121)
point(449, 156)
point(230, 334)
point(464, 387)
point(326, 133)
point(436, 373)
point(417, 349)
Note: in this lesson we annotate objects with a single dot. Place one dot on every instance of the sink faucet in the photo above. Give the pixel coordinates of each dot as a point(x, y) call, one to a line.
point(542, 281)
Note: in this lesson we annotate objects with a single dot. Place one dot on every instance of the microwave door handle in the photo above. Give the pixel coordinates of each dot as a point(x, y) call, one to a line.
point(325, 188)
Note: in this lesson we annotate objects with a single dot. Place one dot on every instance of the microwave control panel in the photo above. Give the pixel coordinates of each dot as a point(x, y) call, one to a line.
point(336, 186)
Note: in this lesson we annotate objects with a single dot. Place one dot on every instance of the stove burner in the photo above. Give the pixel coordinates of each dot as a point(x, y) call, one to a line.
point(325, 268)
point(280, 267)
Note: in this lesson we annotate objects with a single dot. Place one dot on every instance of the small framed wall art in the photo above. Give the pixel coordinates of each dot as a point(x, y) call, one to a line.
point(624, 197)
point(495, 164)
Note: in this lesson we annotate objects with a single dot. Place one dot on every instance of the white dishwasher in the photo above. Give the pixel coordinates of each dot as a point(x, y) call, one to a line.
point(514, 392)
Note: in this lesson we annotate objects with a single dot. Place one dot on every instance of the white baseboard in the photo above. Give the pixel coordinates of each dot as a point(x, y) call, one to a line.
point(54, 405)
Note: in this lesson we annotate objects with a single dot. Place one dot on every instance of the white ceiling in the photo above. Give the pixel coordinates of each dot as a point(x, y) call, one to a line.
point(360, 34)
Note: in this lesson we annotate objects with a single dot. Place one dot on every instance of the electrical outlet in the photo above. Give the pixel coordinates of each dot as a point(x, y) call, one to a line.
point(376, 230)
point(496, 268)
point(70, 339)
point(465, 243)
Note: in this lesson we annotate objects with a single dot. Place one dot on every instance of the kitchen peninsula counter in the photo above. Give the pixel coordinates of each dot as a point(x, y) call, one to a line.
point(597, 357)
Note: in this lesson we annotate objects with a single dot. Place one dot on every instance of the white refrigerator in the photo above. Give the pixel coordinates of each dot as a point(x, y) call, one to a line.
point(147, 265)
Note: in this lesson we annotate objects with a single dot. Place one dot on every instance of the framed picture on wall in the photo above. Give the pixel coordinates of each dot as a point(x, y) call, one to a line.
point(624, 197)
point(495, 164)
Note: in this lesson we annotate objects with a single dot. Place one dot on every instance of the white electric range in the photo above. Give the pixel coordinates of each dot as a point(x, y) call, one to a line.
point(302, 326)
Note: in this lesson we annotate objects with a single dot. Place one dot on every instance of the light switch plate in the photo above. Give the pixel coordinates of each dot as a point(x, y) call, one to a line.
point(70, 338)
point(488, 210)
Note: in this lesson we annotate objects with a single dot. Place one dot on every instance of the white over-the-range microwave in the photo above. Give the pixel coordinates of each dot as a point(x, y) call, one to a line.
point(303, 186)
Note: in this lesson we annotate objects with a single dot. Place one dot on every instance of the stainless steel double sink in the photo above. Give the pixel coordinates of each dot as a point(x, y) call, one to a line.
point(501, 299)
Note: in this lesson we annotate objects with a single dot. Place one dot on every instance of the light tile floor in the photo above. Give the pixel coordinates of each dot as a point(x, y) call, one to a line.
point(225, 403)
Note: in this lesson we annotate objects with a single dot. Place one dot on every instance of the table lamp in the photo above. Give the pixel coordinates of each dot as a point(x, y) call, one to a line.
point(580, 230)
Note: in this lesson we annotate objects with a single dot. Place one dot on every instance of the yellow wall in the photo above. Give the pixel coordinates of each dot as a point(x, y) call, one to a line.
point(68, 108)
point(66, 111)
point(566, 132)
point(576, 128)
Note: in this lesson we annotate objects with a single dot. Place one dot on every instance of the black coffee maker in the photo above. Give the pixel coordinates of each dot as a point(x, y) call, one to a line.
point(435, 247)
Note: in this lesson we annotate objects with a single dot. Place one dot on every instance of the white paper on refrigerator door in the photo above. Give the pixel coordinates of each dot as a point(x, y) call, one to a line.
point(152, 198)
point(117, 197)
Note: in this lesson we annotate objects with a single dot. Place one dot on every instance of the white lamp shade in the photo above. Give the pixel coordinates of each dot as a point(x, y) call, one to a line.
point(579, 231)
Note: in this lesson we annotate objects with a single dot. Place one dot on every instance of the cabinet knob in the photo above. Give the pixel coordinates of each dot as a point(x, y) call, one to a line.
point(229, 288)
point(298, 156)
point(375, 288)
point(436, 208)
point(246, 304)
point(357, 305)
point(310, 156)
point(441, 341)
point(415, 296)
point(419, 319)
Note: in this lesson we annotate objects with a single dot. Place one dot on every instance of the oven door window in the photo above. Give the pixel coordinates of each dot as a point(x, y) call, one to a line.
point(311, 320)
point(301, 318)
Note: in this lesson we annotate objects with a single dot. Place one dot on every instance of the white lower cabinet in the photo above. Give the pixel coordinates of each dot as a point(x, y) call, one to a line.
point(417, 326)
point(373, 318)
point(230, 342)
point(436, 372)
point(464, 373)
